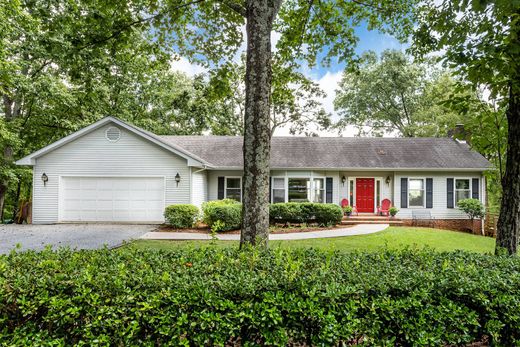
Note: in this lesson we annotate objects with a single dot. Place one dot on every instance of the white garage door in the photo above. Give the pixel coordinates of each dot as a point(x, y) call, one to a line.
point(107, 199)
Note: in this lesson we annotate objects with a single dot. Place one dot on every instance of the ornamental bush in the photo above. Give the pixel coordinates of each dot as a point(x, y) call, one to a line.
point(226, 213)
point(181, 215)
point(306, 212)
point(472, 207)
point(217, 297)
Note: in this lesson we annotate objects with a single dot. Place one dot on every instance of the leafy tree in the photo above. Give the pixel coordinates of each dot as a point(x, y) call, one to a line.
point(211, 30)
point(485, 128)
point(59, 73)
point(393, 94)
point(481, 43)
point(295, 99)
point(82, 40)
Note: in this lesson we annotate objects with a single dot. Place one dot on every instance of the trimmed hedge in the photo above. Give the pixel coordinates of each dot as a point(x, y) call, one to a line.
point(222, 215)
point(307, 212)
point(213, 297)
point(181, 215)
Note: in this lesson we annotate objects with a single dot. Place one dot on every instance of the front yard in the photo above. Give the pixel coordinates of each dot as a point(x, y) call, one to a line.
point(392, 238)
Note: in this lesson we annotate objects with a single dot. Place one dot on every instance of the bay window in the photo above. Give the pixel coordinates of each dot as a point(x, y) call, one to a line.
point(319, 190)
point(299, 189)
point(278, 190)
point(416, 192)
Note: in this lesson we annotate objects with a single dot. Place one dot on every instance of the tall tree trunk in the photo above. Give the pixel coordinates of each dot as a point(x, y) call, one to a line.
point(257, 131)
point(508, 229)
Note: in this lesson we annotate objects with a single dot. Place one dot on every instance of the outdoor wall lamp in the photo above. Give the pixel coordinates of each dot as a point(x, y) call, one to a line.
point(343, 180)
point(44, 179)
point(387, 180)
point(177, 178)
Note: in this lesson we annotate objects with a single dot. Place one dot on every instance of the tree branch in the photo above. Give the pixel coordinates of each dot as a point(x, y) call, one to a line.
point(136, 22)
point(241, 10)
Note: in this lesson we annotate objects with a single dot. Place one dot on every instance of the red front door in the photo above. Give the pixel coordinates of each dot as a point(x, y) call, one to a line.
point(365, 194)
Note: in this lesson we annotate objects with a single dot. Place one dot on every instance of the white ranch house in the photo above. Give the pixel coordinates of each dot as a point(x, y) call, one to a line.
point(112, 171)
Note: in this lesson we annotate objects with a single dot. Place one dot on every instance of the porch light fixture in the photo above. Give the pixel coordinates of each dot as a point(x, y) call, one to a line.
point(44, 179)
point(177, 178)
point(387, 180)
point(343, 180)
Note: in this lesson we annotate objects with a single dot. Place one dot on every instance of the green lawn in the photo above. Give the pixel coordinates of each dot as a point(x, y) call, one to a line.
point(393, 237)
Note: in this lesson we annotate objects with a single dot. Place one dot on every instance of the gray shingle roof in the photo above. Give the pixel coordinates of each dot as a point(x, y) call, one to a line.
point(339, 152)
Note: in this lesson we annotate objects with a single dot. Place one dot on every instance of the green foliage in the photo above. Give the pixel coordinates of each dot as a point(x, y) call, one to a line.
point(472, 207)
point(347, 209)
point(222, 215)
point(181, 215)
point(394, 94)
point(306, 212)
point(275, 297)
point(393, 210)
point(295, 99)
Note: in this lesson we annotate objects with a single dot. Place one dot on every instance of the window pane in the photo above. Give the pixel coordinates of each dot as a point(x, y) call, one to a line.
point(378, 193)
point(299, 189)
point(278, 195)
point(233, 183)
point(232, 193)
point(278, 183)
point(461, 194)
point(351, 193)
point(416, 198)
point(416, 184)
point(462, 184)
point(319, 192)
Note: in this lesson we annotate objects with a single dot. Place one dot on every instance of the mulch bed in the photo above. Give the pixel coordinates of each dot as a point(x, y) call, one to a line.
point(280, 229)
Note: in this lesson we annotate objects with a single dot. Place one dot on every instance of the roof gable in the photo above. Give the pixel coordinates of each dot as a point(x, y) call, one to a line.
point(192, 159)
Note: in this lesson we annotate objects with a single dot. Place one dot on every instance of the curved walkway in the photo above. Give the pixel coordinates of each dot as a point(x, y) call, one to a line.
point(358, 229)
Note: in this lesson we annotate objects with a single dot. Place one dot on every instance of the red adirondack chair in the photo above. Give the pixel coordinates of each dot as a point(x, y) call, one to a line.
point(383, 210)
point(345, 203)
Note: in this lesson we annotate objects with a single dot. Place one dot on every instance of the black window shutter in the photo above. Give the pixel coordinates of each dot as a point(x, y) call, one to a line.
point(328, 190)
point(449, 193)
point(220, 194)
point(270, 188)
point(429, 193)
point(404, 192)
point(474, 188)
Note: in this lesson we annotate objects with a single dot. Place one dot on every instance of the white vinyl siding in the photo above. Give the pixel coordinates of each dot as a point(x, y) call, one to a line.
point(93, 155)
point(439, 209)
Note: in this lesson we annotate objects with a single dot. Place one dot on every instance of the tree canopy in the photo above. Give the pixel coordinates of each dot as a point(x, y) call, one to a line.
point(392, 94)
point(480, 41)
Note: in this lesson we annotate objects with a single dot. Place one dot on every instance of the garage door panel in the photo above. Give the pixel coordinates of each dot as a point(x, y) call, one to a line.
point(130, 199)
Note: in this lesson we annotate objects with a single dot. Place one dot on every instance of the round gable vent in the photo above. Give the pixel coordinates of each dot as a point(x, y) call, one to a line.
point(113, 134)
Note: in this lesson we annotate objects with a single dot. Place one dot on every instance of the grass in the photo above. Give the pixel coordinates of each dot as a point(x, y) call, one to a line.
point(392, 238)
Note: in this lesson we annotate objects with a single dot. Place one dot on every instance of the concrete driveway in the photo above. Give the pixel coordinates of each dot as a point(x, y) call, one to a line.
point(81, 236)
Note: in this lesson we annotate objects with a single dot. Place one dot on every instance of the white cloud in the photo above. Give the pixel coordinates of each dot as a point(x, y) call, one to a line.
point(184, 65)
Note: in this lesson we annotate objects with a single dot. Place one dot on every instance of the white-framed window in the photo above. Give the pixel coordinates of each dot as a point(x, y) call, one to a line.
point(319, 190)
point(416, 192)
point(278, 189)
point(299, 189)
point(462, 189)
point(233, 188)
point(378, 192)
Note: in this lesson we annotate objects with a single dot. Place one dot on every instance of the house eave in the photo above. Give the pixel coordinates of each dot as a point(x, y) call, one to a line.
point(192, 159)
point(480, 169)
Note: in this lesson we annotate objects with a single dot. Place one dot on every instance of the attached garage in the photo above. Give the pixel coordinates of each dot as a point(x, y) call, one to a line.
point(111, 199)
point(109, 172)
